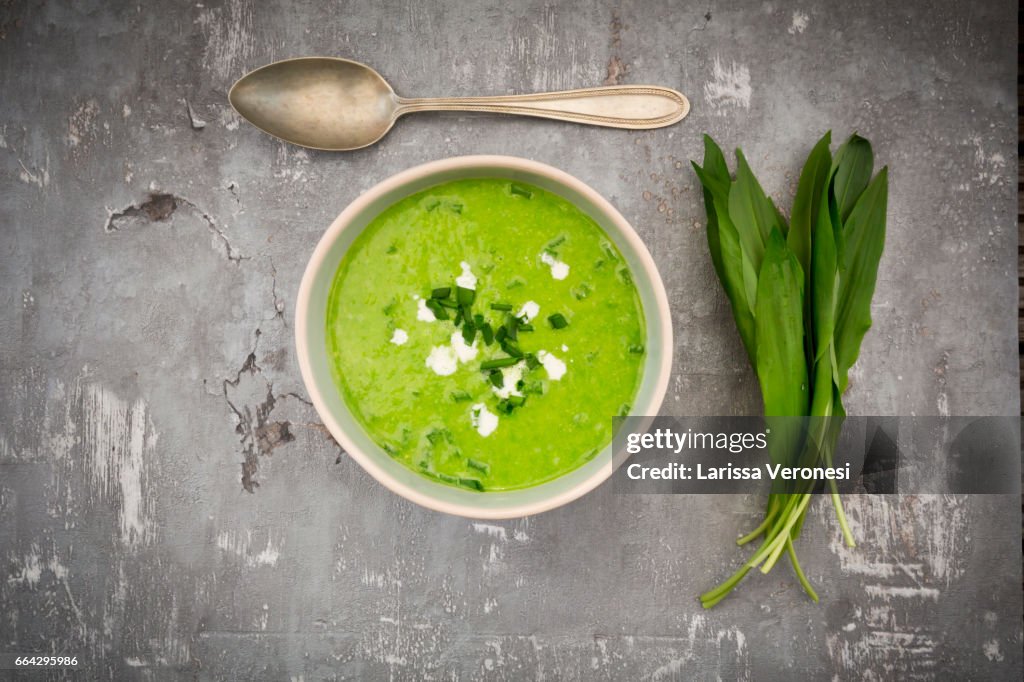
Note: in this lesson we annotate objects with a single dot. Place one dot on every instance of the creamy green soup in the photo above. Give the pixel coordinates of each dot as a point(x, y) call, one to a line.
point(484, 333)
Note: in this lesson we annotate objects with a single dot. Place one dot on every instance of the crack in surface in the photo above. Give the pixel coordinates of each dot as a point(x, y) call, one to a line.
point(159, 207)
point(278, 302)
point(250, 395)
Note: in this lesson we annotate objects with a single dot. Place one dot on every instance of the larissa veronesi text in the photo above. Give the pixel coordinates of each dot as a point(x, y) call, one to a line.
point(676, 471)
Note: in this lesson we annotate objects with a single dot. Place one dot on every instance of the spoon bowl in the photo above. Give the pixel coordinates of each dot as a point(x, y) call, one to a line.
point(317, 102)
point(338, 104)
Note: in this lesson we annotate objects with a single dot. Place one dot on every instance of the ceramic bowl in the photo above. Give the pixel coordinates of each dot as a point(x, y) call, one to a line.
point(311, 326)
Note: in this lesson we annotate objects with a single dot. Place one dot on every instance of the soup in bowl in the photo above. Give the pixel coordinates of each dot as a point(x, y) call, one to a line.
point(468, 330)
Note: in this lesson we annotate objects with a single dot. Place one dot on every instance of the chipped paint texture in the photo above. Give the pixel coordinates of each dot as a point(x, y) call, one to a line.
point(172, 507)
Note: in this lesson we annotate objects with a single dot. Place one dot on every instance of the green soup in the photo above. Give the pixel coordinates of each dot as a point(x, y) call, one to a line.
point(484, 333)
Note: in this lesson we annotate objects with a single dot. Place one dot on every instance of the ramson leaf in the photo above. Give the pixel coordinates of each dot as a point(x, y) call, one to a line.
point(807, 203)
point(779, 329)
point(723, 241)
point(852, 166)
point(863, 241)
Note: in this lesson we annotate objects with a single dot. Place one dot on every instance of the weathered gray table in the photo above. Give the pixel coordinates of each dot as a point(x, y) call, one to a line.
point(170, 506)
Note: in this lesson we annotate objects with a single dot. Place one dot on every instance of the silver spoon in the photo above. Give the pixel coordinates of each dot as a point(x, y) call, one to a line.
point(338, 104)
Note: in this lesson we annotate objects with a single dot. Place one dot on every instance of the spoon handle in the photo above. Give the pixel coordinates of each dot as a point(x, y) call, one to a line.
point(615, 106)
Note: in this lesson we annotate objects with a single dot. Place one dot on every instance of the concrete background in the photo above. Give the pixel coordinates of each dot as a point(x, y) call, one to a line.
point(170, 506)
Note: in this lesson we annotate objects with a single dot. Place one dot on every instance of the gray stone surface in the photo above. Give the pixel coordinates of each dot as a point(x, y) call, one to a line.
point(146, 350)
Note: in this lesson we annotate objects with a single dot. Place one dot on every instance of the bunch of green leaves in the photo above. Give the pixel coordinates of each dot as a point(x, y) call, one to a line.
point(800, 292)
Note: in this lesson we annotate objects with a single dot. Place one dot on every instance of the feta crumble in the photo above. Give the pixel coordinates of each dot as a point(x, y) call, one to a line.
point(559, 270)
point(467, 280)
point(510, 376)
point(552, 365)
point(399, 337)
point(483, 420)
point(423, 313)
point(529, 311)
point(443, 360)
point(463, 351)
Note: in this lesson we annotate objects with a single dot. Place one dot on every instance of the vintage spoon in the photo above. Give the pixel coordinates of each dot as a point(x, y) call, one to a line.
point(338, 104)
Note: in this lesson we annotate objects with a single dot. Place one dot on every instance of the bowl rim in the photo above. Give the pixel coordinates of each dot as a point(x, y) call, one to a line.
point(498, 163)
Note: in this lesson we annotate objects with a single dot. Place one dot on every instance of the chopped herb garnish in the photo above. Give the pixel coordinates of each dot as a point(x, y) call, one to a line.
point(624, 275)
point(560, 239)
point(487, 333)
point(609, 250)
point(392, 249)
point(511, 348)
point(437, 435)
point(511, 327)
point(467, 315)
point(558, 321)
point(515, 282)
point(534, 388)
point(458, 317)
point(636, 348)
point(430, 203)
point(465, 296)
point(448, 478)
point(517, 400)
point(526, 327)
point(482, 467)
point(531, 361)
point(461, 396)
point(471, 484)
point(441, 292)
point(582, 291)
point(500, 335)
point(496, 378)
point(519, 190)
point(438, 310)
point(478, 320)
point(498, 362)
point(501, 306)
point(455, 207)
point(468, 333)
point(447, 302)
point(505, 406)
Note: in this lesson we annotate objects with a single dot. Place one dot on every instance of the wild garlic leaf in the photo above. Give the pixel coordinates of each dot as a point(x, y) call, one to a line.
point(852, 165)
point(779, 329)
point(808, 201)
point(864, 239)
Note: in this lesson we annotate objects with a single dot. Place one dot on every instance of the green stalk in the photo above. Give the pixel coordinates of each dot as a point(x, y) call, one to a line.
point(779, 543)
point(800, 571)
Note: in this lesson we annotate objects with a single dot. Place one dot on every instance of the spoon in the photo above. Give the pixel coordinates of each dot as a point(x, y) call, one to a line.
point(338, 104)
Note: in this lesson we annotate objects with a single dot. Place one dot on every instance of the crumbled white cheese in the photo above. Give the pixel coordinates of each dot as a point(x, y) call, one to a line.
point(423, 313)
point(510, 376)
point(399, 337)
point(552, 365)
point(565, 348)
point(463, 351)
point(484, 421)
point(559, 270)
point(467, 280)
point(443, 360)
point(529, 311)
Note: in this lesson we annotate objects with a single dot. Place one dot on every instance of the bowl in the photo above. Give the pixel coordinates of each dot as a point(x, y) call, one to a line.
point(311, 336)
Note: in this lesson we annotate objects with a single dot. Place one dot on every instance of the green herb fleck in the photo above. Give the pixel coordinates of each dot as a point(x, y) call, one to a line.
point(519, 190)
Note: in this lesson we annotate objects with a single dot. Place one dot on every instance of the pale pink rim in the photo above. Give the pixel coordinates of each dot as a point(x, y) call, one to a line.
point(457, 163)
